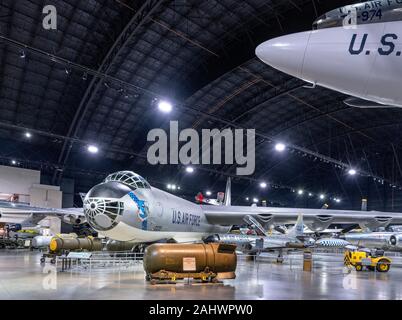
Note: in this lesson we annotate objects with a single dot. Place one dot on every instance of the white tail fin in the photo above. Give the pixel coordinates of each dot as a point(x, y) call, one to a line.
point(228, 193)
point(364, 204)
point(297, 230)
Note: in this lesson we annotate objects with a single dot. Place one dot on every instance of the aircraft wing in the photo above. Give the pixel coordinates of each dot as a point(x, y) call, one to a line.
point(315, 219)
point(18, 212)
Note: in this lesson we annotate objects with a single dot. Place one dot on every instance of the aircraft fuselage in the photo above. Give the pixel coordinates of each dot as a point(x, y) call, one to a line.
point(363, 62)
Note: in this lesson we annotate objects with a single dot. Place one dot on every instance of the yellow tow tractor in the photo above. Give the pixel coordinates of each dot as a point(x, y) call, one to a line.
point(372, 260)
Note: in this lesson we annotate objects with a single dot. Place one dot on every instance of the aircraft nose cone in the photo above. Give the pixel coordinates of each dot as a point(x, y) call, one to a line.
point(102, 205)
point(285, 53)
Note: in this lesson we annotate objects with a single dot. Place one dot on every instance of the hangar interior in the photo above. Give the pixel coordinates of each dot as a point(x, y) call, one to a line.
point(78, 101)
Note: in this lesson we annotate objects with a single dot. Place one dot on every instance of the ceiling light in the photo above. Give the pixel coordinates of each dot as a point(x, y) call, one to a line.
point(13, 162)
point(169, 186)
point(247, 199)
point(93, 149)
point(22, 54)
point(28, 135)
point(208, 193)
point(165, 106)
point(280, 147)
point(189, 169)
point(300, 192)
point(352, 172)
point(255, 200)
point(263, 185)
point(322, 197)
point(310, 194)
point(173, 187)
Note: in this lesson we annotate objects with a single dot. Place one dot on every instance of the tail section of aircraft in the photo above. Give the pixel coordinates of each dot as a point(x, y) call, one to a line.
point(297, 230)
point(228, 193)
point(364, 204)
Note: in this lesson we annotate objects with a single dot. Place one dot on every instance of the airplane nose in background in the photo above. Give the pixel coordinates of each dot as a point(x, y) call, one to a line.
point(285, 53)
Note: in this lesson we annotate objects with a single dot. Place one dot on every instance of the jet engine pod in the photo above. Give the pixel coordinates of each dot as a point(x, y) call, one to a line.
point(320, 222)
point(395, 240)
point(198, 261)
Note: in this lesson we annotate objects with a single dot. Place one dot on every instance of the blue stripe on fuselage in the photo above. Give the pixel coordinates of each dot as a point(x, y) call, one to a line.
point(143, 214)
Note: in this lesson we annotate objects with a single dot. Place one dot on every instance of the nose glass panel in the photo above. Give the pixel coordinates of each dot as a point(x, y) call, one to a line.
point(129, 178)
point(109, 190)
point(102, 213)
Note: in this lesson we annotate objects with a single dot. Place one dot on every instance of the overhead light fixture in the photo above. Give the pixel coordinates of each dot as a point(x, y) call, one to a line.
point(165, 106)
point(189, 169)
point(352, 172)
point(300, 192)
point(208, 193)
point(263, 185)
point(173, 187)
point(280, 147)
point(93, 149)
point(310, 194)
point(337, 200)
point(247, 198)
point(322, 196)
point(22, 54)
point(13, 162)
point(169, 186)
point(28, 135)
point(255, 200)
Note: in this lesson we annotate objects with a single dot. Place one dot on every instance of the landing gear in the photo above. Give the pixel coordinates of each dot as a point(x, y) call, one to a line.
point(280, 257)
point(139, 251)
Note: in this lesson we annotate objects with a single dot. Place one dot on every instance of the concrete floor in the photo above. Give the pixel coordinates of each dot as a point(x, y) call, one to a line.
point(22, 277)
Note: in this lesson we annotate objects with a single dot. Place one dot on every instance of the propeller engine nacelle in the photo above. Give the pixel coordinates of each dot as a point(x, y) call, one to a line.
point(320, 223)
point(74, 220)
point(376, 222)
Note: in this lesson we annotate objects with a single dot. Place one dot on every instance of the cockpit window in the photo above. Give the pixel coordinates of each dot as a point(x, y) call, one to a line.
point(130, 179)
point(362, 13)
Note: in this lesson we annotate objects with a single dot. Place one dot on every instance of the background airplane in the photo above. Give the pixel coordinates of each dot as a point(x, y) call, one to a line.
point(356, 50)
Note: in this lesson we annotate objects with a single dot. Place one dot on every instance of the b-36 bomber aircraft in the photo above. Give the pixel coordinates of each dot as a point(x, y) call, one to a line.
point(126, 207)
